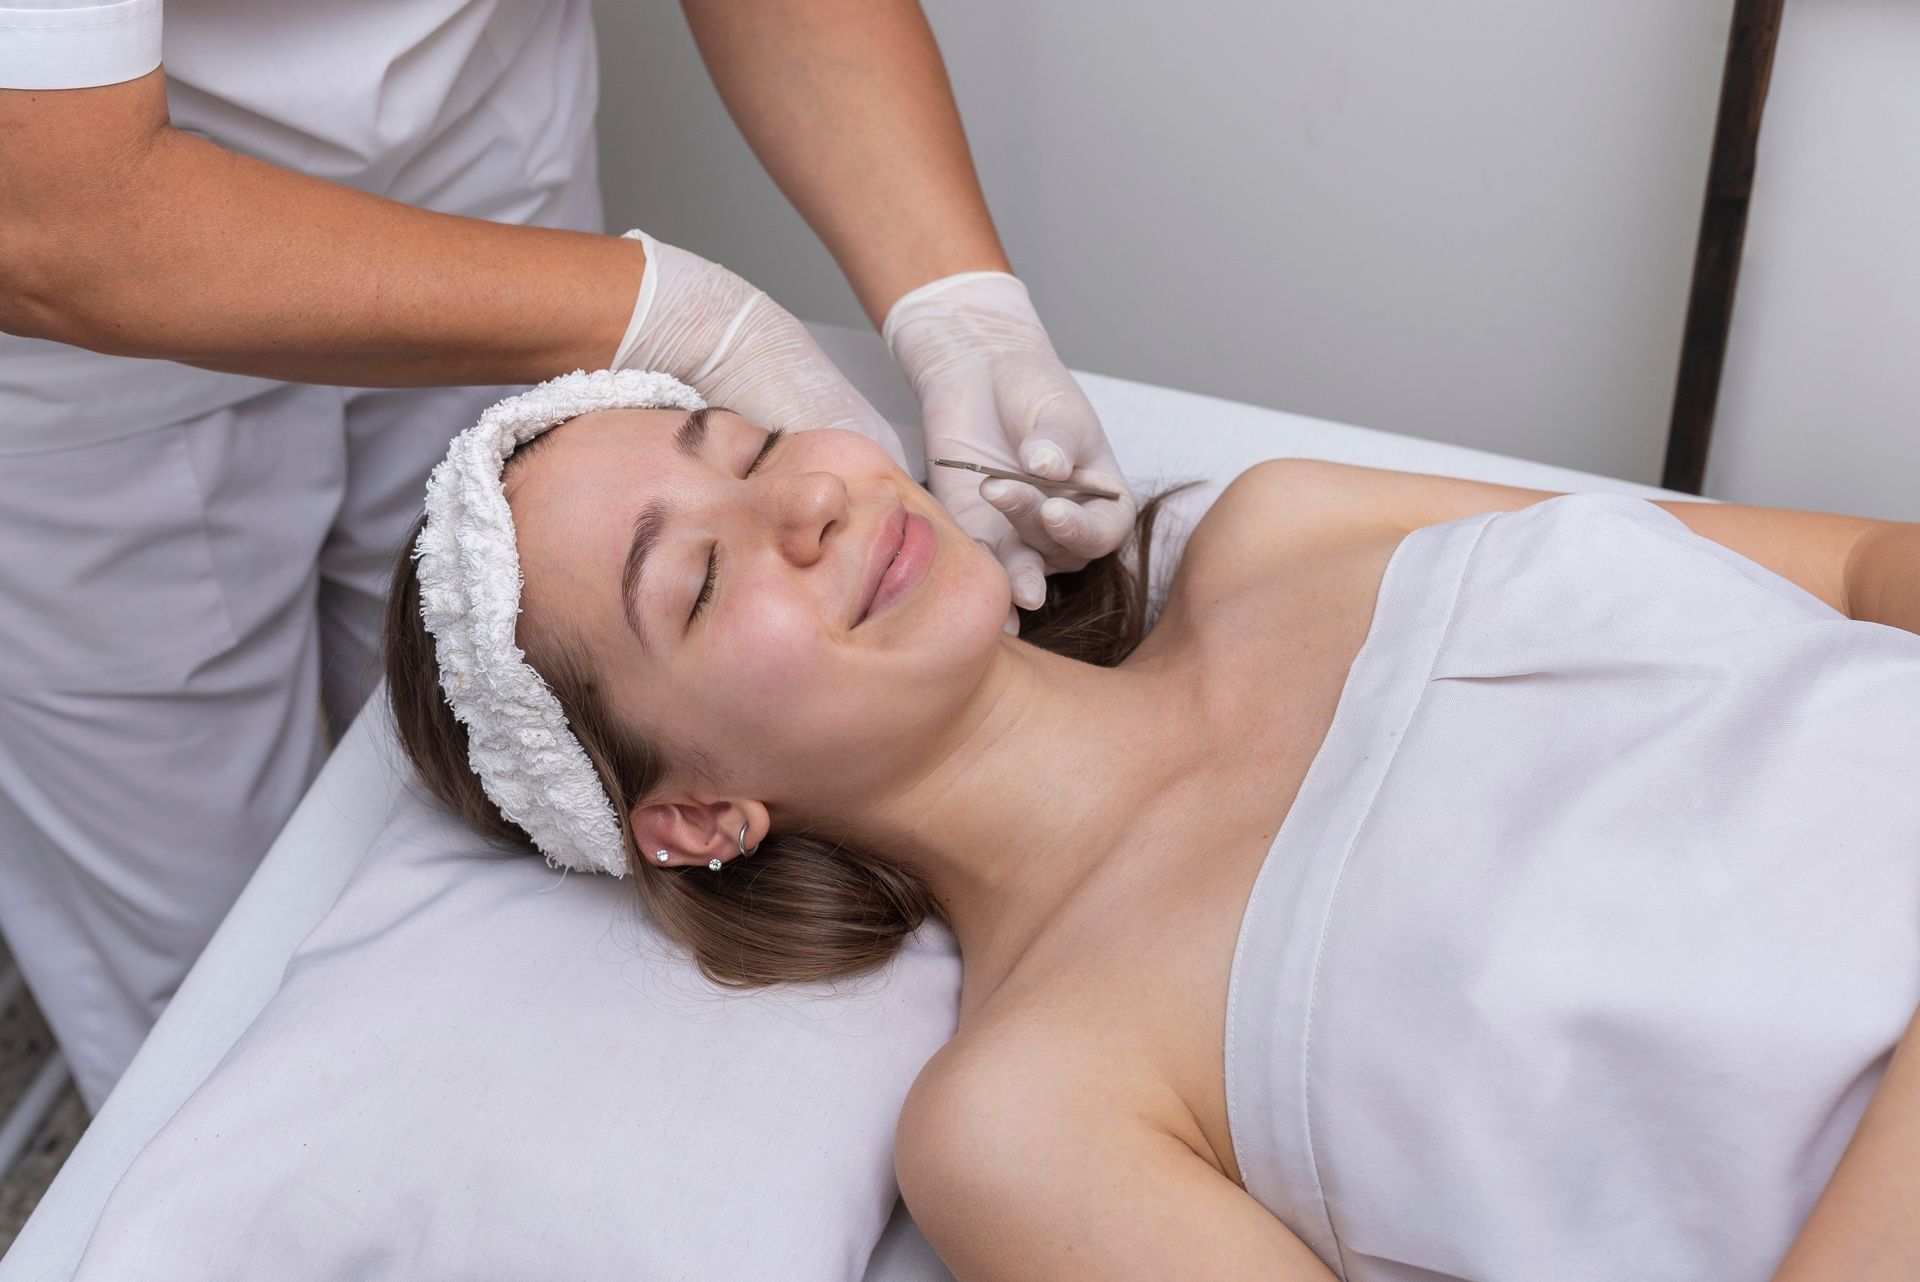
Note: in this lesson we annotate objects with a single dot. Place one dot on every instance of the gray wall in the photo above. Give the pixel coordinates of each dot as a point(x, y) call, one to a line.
point(1820, 402)
point(1472, 221)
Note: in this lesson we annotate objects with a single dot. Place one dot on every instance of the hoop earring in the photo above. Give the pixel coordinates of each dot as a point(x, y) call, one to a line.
point(741, 842)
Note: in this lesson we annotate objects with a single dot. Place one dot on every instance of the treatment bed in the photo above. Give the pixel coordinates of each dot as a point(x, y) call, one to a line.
point(1159, 435)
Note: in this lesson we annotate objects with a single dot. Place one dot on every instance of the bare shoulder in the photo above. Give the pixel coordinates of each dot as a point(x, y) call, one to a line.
point(1274, 513)
point(1018, 1161)
point(1288, 511)
point(985, 1089)
point(1314, 500)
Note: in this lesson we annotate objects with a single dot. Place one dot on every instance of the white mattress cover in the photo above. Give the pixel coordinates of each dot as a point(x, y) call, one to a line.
point(1157, 432)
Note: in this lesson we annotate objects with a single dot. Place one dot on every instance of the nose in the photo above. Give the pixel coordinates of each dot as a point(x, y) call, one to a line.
point(802, 508)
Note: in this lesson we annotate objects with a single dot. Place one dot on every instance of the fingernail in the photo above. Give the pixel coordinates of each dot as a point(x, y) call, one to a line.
point(1056, 512)
point(1036, 591)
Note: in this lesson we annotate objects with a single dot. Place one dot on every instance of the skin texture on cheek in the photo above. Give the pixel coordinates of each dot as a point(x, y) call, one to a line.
point(821, 716)
point(782, 666)
point(739, 683)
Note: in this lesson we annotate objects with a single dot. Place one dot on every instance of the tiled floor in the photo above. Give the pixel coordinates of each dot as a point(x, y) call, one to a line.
point(25, 1044)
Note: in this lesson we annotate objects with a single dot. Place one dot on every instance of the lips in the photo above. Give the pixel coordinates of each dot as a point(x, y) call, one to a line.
point(886, 545)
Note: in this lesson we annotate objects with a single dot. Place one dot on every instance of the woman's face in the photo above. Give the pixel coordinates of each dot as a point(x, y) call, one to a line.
point(776, 672)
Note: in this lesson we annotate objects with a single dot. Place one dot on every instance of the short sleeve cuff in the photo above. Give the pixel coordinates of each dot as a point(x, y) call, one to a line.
point(64, 46)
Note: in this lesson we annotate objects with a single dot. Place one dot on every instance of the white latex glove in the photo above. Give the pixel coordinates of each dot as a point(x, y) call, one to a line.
point(738, 348)
point(992, 391)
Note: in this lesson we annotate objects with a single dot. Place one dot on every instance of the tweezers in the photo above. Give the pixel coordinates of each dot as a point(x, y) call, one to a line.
point(1041, 482)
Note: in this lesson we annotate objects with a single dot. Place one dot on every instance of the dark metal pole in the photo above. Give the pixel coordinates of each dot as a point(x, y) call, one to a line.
point(1723, 227)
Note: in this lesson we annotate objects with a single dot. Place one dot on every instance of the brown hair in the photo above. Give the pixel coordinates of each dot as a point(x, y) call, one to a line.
point(802, 908)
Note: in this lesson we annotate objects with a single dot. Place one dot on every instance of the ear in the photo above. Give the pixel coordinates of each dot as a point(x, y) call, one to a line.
point(696, 832)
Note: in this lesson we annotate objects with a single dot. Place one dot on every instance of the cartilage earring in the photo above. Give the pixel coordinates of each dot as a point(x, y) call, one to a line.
point(741, 841)
point(661, 855)
point(713, 865)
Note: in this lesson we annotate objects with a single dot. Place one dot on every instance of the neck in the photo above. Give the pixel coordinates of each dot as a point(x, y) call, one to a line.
point(1053, 766)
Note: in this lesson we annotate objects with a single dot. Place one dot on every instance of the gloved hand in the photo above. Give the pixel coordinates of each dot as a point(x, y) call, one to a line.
point(992, 391)
point(735, 346)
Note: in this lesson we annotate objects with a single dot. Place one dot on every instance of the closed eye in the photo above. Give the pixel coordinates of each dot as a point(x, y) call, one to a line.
point(713, 553)
point(766, 448)
point(706, 589)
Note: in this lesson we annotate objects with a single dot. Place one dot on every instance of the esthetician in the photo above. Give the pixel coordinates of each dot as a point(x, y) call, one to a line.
point(248, 296)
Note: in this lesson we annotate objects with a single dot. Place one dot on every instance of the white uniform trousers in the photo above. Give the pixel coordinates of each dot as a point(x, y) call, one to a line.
point(182, 613)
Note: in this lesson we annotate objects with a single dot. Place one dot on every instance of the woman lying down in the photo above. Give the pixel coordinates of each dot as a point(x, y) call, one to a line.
point(1547, 867)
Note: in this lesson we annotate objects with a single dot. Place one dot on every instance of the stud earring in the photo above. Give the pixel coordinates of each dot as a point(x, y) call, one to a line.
point(713, 865)
point(661, 855)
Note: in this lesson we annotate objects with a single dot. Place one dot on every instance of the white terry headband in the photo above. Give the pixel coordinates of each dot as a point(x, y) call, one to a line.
point(518, 741)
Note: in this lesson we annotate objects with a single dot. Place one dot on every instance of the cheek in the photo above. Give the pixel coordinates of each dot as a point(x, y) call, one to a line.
point(774, 643)
point(777, 679)
point(974, 585)
point(838, 449)
point(794, 694)
point(774, 664)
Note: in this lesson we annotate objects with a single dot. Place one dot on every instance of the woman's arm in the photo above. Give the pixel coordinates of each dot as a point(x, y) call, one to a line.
point(846, 103)
point(1883, 577)
point(122, 234)
point(1864, 568)
point(1009, 1180)
point(1864, 1227)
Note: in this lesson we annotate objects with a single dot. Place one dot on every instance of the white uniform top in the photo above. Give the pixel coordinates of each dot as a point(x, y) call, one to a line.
point(476, 107)
point(1596, 919)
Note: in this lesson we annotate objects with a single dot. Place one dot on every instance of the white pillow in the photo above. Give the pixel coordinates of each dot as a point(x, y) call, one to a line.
point(479, 1068)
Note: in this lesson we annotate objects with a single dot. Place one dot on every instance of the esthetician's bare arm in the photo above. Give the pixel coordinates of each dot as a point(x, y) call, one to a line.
point(122, 234)
point(846, 103)
point(1864, 568)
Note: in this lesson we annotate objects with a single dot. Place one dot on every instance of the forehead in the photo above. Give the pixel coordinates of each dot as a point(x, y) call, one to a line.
point(621, 456)
point(574, 493)
point(603, 438)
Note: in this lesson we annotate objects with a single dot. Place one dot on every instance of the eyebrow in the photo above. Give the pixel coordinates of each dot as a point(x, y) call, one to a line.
point(693, 433)
point(652, 523)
